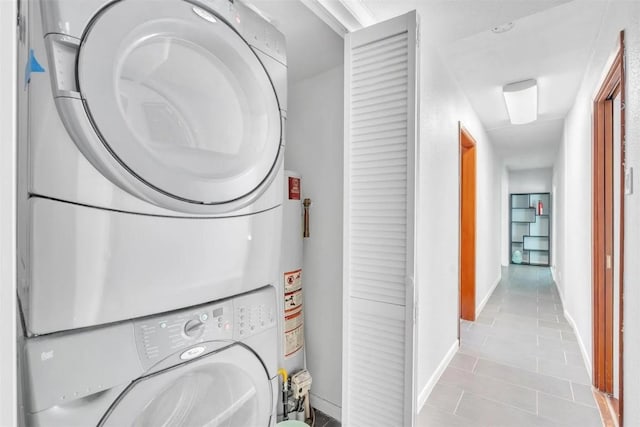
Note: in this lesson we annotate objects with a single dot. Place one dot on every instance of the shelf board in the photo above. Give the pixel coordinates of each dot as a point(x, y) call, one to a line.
point(523, 209)
point(515, 241)
point(531, 263)
point(523, 222)
point(535, 250)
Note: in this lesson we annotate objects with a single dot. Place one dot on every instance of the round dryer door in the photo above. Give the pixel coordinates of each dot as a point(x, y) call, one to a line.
point(230, 388)
point(180, 100)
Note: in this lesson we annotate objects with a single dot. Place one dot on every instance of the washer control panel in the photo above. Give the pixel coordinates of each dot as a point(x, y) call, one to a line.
point(252, 315)
point(234, 319)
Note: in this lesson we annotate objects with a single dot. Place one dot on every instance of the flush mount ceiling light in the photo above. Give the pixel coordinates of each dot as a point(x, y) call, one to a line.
point(522, 101)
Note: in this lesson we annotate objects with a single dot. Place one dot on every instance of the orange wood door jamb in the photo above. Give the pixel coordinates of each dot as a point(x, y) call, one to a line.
point(467, 225)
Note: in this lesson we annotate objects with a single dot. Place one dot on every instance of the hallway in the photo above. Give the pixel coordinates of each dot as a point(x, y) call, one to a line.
point(519, 364)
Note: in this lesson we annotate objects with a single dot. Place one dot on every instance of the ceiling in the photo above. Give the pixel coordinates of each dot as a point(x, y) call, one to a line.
point(551, 41)
point(312, 46)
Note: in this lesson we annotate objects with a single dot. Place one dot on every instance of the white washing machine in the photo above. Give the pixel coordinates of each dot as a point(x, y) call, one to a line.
point(211, 365)
point(151, 144)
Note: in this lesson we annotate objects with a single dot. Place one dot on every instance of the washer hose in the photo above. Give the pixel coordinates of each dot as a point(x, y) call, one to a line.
point(285, 398)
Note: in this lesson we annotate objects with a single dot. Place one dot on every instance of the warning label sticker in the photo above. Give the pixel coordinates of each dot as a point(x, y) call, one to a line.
point(292, 300)
point(293, 319)
point(294, 188)
point(293, 332)
point(292, 281)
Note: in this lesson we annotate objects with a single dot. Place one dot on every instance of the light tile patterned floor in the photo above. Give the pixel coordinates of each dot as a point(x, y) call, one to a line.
point(518, 365)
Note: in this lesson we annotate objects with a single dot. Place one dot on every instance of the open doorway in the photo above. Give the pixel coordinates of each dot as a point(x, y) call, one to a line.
point(467, 225)
point(608, 235)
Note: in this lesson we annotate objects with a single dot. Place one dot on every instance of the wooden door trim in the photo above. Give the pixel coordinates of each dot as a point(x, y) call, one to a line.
point(602, 225)
point(467, 293)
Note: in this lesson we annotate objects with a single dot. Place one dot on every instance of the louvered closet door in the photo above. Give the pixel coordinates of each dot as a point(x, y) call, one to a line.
point(379, 217)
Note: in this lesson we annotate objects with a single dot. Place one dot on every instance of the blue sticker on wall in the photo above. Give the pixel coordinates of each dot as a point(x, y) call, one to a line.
point(33, 66)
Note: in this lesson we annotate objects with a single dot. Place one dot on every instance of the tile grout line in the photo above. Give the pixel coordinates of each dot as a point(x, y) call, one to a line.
point(573, 396)
point(520, 385)
point(458, 403)
point(501, 403)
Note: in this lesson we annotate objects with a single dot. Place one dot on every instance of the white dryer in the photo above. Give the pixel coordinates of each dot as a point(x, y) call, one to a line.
point(151, 146)
point(211, 365)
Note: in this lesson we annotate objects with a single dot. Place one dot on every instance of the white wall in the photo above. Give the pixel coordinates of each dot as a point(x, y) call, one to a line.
point(8, 412)
point(530, 180)
point(504, 199)
point(315, 150)
point(442, 105)
point(572, 177)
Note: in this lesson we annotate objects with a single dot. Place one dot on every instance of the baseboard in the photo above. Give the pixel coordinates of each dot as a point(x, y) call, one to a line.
point(484, 301)
point(585, 355)
point(428, 388)
point(327, 407)
point(586, 358)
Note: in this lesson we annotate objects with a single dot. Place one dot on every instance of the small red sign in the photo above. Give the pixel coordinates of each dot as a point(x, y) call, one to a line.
point(294, 188)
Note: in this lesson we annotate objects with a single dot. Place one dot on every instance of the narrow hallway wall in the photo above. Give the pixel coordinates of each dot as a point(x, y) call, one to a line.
point(572, 178)
point(504, 200)
point(442, 105)
point(530, 180)
point(315, 150)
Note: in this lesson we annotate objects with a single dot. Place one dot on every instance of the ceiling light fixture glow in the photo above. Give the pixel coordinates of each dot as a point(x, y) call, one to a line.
point(521, 99)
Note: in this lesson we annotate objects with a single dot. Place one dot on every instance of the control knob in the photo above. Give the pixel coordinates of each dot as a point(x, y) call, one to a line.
point(193, 328)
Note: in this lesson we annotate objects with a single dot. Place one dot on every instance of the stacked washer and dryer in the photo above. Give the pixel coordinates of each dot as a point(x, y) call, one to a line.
point(151, 147)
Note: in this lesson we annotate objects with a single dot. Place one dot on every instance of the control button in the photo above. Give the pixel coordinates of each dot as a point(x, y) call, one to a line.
point(204, 317)
point(220, 319)
point(219, 324)
point(163, 325)
point(193, 328)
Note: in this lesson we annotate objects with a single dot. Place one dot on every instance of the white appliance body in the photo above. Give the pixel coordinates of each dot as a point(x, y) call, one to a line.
point(292, 356)
point(213, 364)
point(151, 157)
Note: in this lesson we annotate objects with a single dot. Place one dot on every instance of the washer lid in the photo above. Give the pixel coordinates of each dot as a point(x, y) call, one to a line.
point(180, 100)
point(229, 388)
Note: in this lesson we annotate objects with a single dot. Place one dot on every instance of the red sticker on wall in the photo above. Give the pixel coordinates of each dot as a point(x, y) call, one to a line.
point(294, 188)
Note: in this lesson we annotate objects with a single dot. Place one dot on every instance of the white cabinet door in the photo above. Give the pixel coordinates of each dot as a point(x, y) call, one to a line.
point(381, 111)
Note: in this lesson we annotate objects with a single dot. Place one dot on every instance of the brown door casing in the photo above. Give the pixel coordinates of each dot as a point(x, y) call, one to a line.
point(604, 254)
point(467, 225)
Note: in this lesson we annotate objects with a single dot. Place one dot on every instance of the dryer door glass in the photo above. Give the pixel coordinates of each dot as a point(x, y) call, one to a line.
point(230, 389)
point(180, 99)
